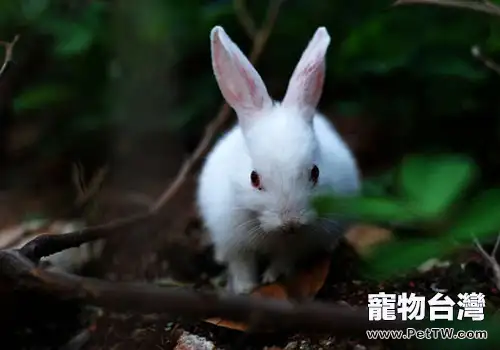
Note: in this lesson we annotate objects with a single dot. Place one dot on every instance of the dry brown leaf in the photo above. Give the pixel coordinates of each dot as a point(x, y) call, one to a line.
point(308, 282)
point(227, 324)
point(363, 237)
point(272, 291)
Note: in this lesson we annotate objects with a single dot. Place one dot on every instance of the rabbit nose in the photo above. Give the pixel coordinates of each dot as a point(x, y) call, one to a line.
point(290, 225)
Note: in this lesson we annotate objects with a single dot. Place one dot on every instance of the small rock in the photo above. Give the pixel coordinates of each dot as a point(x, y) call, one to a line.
point(360, 347)
point(189, 341)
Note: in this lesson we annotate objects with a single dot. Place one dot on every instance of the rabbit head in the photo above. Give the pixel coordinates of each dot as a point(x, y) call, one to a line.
point(279, 136)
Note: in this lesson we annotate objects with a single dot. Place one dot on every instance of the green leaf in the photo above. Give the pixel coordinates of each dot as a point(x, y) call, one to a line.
point(74, 39)
point(433, 183)
point(401, 256)
point(40, 96)
point(481, 217)
point(377, 209)
point(32, 9)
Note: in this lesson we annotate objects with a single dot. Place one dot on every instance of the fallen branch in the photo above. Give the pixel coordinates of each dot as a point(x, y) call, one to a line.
point(142, 298)
point(490, 259)
point(483, 6)
point(48, 245)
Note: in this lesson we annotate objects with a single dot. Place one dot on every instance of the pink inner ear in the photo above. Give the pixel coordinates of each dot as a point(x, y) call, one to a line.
point(312, 74)
point(251, 85)
point(231, 95)
point(320, 77)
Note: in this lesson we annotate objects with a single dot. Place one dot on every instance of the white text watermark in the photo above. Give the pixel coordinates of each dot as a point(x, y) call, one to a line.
point(427, 333)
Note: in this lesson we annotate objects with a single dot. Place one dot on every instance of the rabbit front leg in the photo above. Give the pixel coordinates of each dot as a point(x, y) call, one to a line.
point(242, 270)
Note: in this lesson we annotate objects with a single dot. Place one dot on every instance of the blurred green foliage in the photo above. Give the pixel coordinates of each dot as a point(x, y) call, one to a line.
point(145, 65)
point(435, 196)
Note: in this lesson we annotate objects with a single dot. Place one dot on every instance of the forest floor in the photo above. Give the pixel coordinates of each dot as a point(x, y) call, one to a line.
point(170, 248)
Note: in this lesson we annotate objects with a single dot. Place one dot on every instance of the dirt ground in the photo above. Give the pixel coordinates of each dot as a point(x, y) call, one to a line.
point(170, 247)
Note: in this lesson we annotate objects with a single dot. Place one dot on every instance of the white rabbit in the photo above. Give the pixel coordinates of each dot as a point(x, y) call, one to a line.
point(256, 184)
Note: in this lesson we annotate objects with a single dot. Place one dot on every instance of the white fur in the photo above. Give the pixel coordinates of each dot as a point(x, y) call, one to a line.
point(281, 142)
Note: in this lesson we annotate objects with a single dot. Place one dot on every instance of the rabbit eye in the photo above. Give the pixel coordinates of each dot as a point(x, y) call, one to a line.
point(255, 179)
point(314, 175)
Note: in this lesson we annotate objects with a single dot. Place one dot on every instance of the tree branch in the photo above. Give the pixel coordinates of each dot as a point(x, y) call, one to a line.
point(480, 6)
point(261, 313)
point(46, 244)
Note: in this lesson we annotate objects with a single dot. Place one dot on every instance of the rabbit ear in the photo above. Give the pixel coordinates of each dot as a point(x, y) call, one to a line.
point(306, 84)
point(239, 82)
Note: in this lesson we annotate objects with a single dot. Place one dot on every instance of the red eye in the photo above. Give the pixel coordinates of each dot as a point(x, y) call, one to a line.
point(314, 175)
point(255, 178)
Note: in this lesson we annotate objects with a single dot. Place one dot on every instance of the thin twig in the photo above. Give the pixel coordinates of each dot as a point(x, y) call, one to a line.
point(495, 247)
point(9, 52)
point(245, 18)
point(476, 53)
point(491, 261)
point(77, 176)
point(480, 6)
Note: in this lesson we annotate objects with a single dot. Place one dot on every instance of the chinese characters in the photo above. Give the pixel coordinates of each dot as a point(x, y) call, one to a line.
point(385, 306)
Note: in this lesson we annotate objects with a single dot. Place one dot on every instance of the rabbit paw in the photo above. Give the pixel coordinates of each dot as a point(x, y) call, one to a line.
point(242, 286)
point(243, 275)
point(274, 271)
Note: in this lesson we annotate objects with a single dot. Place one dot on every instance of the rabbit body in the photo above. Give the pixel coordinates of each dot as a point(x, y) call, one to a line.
point(256, 184)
